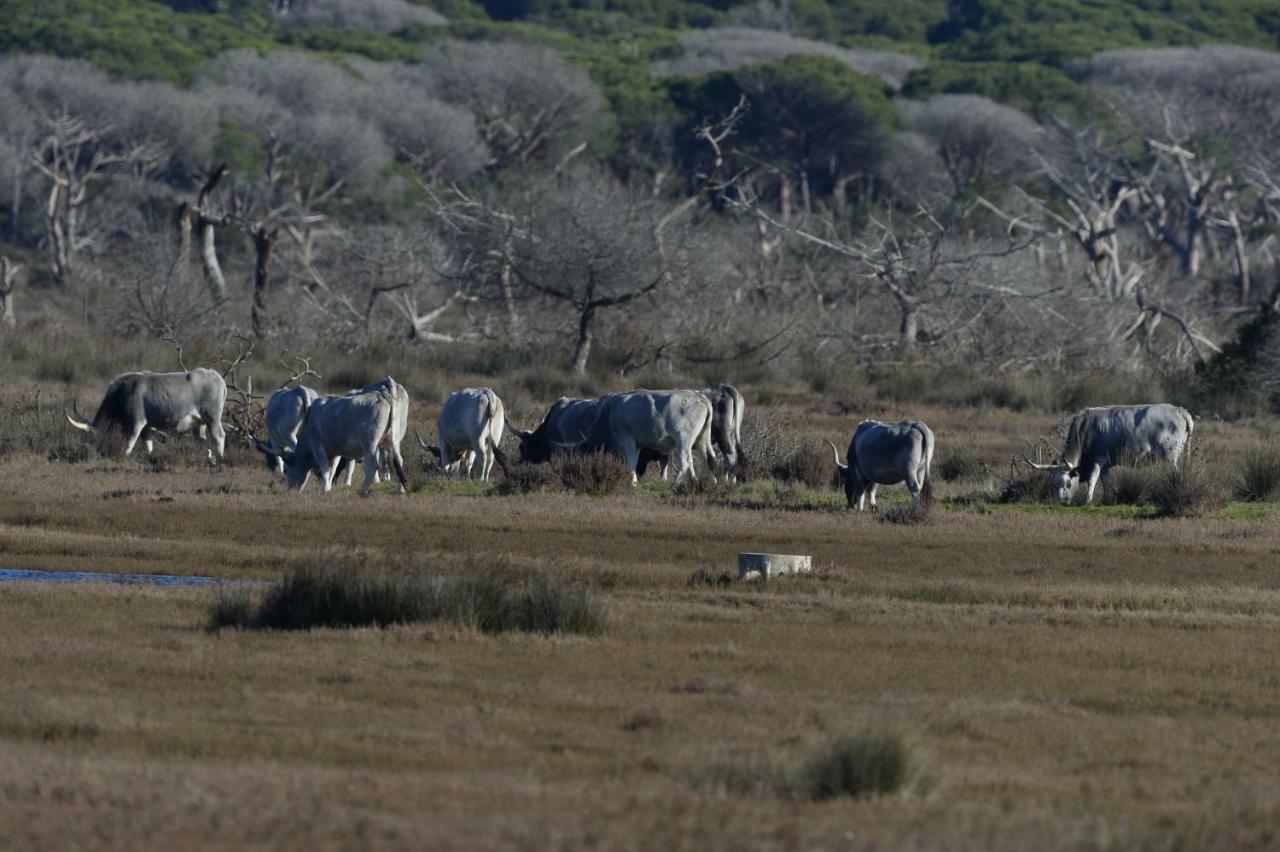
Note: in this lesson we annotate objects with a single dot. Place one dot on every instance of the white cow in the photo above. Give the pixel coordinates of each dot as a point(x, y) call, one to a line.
point(471, 424)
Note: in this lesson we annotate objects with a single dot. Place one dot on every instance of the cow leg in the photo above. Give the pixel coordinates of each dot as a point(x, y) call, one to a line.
point(1094, 474)
point(134, 434)
point(326, 468)
point(370, 470)
point(468, 463)
point(219, 436)
point(150, 444)
point(631, 453)
point(913, 485)
point(684, 466)
point(871, 491)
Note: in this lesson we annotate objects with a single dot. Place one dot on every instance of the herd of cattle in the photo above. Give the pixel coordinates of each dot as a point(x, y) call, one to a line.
point(313, 433)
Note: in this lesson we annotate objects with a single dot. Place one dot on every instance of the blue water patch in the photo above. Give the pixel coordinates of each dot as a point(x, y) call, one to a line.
point(29, 575)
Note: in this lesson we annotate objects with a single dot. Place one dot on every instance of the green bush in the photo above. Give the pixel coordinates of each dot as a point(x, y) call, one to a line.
point(960, 461)
point(308, 598)
point(869, 764)
point(1187, 492)
point(1259, 477)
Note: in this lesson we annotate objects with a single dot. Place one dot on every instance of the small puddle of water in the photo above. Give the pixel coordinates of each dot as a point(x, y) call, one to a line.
point(28, 575)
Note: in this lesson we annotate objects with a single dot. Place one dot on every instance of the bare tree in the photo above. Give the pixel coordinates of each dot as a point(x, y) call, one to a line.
point(76, 157)
point(590, 246)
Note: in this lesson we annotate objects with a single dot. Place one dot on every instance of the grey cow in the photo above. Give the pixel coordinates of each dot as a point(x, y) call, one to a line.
point(143, 405)
point(727, 409)
point(886, 454)
point(1098, 438)
point(667, 422)
point(470, 424)
point(354, 425)
point(284, 414)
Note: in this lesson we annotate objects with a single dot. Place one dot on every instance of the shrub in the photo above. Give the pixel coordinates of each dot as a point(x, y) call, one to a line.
point(1187, 492)
point(807, 463)
point(1035, 486)
point(319, 597)
point(72, 449)
point(703, 486)
point(1130, 486)
point(905, 513)
point(595, 474)
point(1259, 477)
point(959, 462)
point(231, 609)
point(873, 763)
point(529, 479)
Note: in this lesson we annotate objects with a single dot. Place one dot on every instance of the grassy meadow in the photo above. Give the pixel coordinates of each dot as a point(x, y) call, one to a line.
point(1061, 678)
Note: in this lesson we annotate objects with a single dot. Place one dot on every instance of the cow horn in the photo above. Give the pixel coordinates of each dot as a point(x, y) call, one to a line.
point(1035, 466)
point(77, 420)
point(514, 431)
point(265, 447)
point(836, 453)
point(427, 448)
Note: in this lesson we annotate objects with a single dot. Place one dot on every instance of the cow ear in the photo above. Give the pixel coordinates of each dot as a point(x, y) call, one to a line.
point(1074, 473)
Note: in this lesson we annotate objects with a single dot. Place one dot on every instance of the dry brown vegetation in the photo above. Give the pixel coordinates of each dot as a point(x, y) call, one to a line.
point(1070, 678)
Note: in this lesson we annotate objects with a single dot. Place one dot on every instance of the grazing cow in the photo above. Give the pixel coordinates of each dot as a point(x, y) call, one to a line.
point(470, 423)
point(886, 454)
point(143, 405)
point(285, 411)
point(727, 408)
point(666, 422)
point(354, 425)
point(1098, 438)
point(283, 416)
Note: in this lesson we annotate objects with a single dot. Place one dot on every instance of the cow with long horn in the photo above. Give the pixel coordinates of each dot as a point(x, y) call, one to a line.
point(675, 423)
point(886, 454)
point(145, 405)
point(1098, 438)
point(470, 425)
point(355, 425)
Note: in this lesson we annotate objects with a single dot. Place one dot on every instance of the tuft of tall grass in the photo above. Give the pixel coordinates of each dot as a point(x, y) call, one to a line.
point(868, 764)
point(324, 597)
point(1033, 486)
point(1187, 492)
point(1258, 480)
point(960, 461)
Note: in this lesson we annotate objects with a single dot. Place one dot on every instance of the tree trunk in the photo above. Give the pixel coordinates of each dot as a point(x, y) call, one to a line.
point(909, 327)
point(263, 243)
point(8, 282)
point(509, 296)
point(213, 277)
point(1241, 258)
point(58, 234)
point(582, 349)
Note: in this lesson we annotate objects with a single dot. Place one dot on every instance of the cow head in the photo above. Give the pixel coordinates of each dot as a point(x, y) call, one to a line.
point(430, 450)
point(1065, 480)
point(535, 447)
point(297, 467)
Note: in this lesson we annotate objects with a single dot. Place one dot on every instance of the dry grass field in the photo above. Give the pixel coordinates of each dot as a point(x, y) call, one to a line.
point(1065, 678)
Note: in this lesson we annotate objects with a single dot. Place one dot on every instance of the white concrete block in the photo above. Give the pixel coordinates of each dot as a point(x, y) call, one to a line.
point(773, 564)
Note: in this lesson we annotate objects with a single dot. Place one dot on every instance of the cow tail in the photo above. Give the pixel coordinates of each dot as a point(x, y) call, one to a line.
point(397, 463)
point(926, 487)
